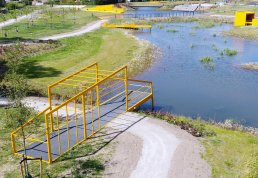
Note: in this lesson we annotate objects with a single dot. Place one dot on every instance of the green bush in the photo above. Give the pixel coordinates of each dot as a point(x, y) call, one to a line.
point(14, 5)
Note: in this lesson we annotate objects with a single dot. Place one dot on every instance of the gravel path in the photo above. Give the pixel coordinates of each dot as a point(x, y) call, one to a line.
point(85, 29)
point(154, 149)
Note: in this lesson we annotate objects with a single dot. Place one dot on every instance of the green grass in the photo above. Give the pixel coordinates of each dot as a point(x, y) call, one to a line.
point(247, 32)
point(12, 14)
point(231, 9)
point(230, 153)
point(111, 48)
point(51, 21)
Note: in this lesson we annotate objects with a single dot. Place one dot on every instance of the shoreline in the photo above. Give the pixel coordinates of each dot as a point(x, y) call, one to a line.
point(228, 124)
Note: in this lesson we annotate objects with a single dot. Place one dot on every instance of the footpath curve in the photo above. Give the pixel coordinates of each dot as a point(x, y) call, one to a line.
point(85, 29)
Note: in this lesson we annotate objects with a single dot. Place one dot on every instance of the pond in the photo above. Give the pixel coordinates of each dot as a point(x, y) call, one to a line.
point(184, 85)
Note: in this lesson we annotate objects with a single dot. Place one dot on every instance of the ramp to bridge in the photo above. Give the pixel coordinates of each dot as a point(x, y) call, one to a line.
point(100, 96)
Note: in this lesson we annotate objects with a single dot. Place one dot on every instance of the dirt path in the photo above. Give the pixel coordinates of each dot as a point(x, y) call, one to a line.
point(85, 29)
point(154, 149)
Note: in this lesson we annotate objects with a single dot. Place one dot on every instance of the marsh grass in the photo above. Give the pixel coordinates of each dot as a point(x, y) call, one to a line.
point(206, 60)
point(247, 32)
point(160, 26)
point(228, 52)
point(172, 31)
point(204, 24)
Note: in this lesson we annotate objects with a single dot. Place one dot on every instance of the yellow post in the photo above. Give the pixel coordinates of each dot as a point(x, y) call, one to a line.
point(152, 96)
point(67, 127)
point(76, 121)
point(50, 105)
point(126, 88)
point(97, 90)
point(92, 114)
point(41, 172)
point(58, 132)
point(84, 116)
point(13, 143)
point(48, 140)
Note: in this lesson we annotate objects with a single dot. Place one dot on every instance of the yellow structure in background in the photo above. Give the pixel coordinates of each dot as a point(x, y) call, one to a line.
point(245, 18)
point(126, 26)
point(107, 8)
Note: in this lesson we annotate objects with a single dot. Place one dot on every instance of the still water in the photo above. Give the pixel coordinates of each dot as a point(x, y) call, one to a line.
point(184, 85)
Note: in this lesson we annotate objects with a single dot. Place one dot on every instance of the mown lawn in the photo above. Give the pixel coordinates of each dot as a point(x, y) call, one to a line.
point(231, 153)
point(49, 22)
point(110, 48)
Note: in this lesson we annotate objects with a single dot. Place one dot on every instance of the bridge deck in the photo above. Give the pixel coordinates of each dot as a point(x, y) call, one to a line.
point(108, 112)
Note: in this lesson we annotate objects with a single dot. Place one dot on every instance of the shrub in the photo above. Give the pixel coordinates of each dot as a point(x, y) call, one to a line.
point(14, 5)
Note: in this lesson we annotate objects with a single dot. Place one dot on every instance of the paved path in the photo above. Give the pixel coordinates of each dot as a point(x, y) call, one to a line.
point(85, 29)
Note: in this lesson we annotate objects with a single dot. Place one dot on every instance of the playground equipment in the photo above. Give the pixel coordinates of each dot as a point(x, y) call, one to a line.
point(106, 8)
point(101, 96)
point(126, 26)
point(245, 18)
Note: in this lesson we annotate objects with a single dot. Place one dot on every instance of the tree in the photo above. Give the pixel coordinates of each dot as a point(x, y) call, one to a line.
point(2, 3)
point(15, 86)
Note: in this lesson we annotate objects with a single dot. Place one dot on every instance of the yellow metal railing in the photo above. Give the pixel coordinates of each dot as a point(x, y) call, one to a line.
point(84, 114)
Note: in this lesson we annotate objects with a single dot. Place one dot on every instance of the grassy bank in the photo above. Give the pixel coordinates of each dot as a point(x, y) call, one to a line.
point(232, 8)
point(111, 48)
point(246, 32)
point(230, 152)
point(49, 22)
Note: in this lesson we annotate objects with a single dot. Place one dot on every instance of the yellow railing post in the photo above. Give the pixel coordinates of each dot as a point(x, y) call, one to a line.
point(58, 133)
point(92, 113)
point(152, 97)
point(97, 94)
point(50, 105)
point(98, 105)
point(67, 127)
point(13, 143)
point(126, 88)
point(48, 140)
point(84, 116)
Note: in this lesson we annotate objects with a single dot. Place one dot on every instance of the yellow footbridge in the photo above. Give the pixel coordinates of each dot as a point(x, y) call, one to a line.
point(99, 97)
point(127, 26)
